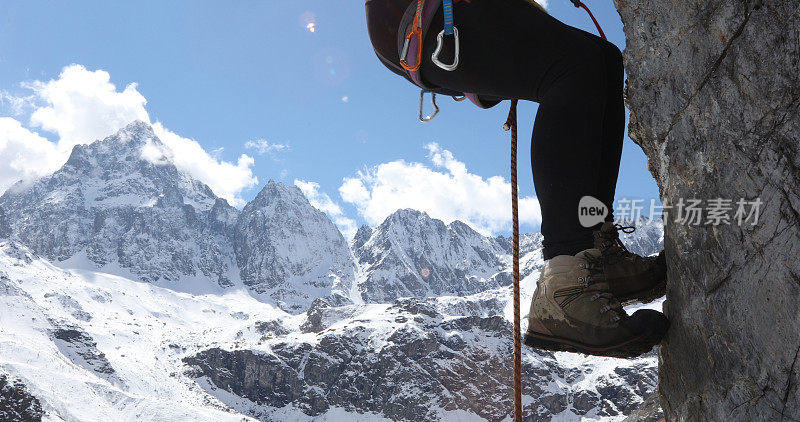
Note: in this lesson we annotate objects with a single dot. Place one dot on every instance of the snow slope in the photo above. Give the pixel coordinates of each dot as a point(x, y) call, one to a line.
point(93, 346)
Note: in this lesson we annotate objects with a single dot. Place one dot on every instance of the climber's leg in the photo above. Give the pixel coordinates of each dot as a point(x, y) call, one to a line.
point(632, 278)
point(613, 123)
point(510, 49)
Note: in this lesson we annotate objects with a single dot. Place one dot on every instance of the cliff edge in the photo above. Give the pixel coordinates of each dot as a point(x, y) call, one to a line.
point(714, 97)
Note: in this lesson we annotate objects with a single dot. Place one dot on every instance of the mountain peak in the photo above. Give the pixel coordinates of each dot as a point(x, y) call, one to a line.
point(133, 143)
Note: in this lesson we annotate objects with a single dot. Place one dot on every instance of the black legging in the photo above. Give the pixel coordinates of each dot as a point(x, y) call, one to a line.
point(511, 49)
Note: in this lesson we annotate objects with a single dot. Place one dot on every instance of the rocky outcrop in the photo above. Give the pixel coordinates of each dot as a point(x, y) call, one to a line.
point(290, 250)
point(5, 228)
point(714, 94)
point(649, 411)
point(411, 362)
point(17, 403)
point(79, 347)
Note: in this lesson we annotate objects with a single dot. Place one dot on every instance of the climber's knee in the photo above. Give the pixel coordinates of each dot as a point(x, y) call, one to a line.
point(585, 73)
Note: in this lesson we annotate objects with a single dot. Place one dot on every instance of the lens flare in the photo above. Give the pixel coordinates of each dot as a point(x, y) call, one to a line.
point(311, 26)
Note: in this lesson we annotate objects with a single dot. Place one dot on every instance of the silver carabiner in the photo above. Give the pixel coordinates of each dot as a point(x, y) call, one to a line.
point(435, 55)
point(435, 107)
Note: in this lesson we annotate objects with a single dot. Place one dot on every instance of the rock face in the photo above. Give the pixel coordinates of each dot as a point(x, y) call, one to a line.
point(16, 402)
point(714, 93)
point(5, 229)
point(291, 250)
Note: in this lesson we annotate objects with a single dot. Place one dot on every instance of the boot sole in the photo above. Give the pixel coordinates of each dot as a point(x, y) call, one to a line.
point(631, 348)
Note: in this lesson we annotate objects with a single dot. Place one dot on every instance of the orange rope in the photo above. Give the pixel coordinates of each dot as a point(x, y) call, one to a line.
point(511, 123)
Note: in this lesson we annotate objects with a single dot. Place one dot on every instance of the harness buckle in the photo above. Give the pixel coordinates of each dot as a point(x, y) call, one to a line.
point(439, 43)
point(435, 107)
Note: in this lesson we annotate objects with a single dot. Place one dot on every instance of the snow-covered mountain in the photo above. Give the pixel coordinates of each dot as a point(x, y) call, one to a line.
point(290, 250)
point(121, 205)
point(129, 291)
point(413, 255)
point(91, 346)
point(120, 202)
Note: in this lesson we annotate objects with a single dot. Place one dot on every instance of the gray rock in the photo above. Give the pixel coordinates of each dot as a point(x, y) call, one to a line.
point(422, 362)
point(648, 411)
point(17, 403)
point(714, 93)
point(5, 228)
point(81, 349)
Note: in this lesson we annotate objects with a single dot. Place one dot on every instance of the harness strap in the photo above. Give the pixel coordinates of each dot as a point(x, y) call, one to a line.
point(447, 8)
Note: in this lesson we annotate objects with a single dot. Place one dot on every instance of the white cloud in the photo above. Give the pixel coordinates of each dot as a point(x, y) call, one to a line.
point(226, 179)
point(25, 155)
point(324, 203)
point(81, 106)
point(446, 190)
point(15, 105)
point(262, 146)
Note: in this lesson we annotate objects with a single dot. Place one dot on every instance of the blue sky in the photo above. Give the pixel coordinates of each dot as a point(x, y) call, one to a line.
point(225, 74)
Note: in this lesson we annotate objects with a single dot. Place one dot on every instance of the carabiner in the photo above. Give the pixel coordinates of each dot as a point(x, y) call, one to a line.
point(435, 55)
point(435, 107)
point(404, 54)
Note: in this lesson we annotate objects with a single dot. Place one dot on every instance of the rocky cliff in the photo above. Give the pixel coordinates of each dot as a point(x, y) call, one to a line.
point(291, 250)
point(714, 93)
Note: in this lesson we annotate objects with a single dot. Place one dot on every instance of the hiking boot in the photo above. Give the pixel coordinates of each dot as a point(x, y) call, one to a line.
point(631, 278)
point(573, 310)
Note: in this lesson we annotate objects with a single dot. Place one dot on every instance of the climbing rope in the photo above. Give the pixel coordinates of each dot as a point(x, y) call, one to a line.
point(579, 3)
point(511, 124)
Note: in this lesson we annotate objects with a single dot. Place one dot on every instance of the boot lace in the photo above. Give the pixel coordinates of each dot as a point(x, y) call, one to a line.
point(595, 267)
point(614, 249)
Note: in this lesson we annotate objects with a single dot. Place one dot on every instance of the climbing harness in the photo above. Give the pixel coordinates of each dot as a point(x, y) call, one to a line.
point(411, 52)
point(511, 124)
point(412, 47)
